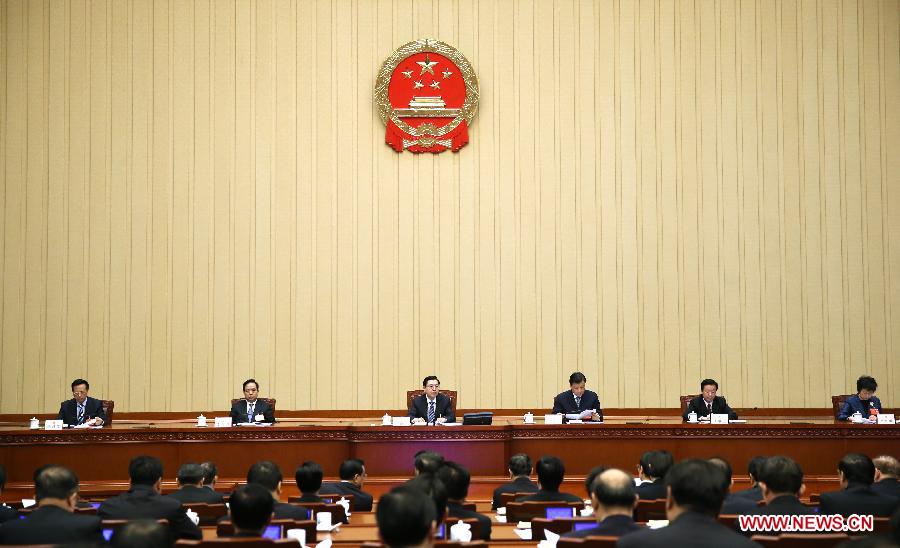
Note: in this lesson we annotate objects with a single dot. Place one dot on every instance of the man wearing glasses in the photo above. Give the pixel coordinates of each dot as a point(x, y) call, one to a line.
point(81, 409)
point(431, 407)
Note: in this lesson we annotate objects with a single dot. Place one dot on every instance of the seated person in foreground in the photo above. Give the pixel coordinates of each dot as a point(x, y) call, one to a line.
point(54, 520)
point(519, 467)
point(887, 470)
point(863, 402)
point(267, 474)
point(142, 533)
point(427, 462)
point(578, 401)
point(406, 518)
point(431, 407)
point(434, 488)
point(143, 500)
point(707, 403)
point(754, 492)
point(613, 498)
point(857, 473)
point(550, 473)
point(190, 480)
point(210, 476)
point(781, 482)
point(309, 481)
point(695, 490)
point(652, 470)
point(456, 480)
point(353, 476)
point(251, 408)
point(250, 508)
point(733, 503)
point(81, 409)
point(6, 512)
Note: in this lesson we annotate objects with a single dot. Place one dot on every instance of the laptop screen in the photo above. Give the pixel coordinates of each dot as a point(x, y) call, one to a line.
point(107, 534)
point(554, 512)
point(582, 525)
point(272, 532)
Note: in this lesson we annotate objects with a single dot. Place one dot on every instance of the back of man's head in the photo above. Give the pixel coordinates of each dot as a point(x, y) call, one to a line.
point(265, 473)
point(351, 468)
point(781, 475)
point(656, 464)
point(697, 486)
point(145, 470)
point(591, 476)
point(190, 473)
point(428, 462)
point(725, 467)
point(886, 464)
point(434, 488)
point(55, 482)
point(309, 477)
point(142, 533)
point(614, 489)
point(210, 471)
point(753, 467)
point(251, 508)
point(520, 464)
point(857, 468)
point(405, 517)
point(550, 472)
point(456, 479)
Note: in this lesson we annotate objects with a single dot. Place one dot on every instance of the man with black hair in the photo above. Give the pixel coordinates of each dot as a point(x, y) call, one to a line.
point(143, 500)
point(754, 493)
point(251, 408)
point(887, 470)
point(578, 401)
point(353, 476)
point(406, 518)
point(250, 508)
point(856, 473)
point(427, 462)
point(781, 482)
point(431, 407)
point(863, 402)
point(519, 467)
point(6, 512)
point(309, 481)
point(550, 473)
point(708, 403)
point(733, 504)
point(613, 498)
point(652, 469)
point(434, 488)
point(267, 474)
point(591, 476)
point(54, 520)
point(142, 533)
point(190, 480)
point(695, 490)
point(81, 409)
point(210, 475)
point(456, 479)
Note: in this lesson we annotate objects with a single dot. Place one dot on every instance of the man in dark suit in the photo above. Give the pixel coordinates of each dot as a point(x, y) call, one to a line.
point(190, 478)
point(550, 473)
point(707, 403)
point(210, 475)
point(754, 493)
point(733, 504)
point(267, 474)
point(309, 480)
point(431, 407)
point(863, 402)
point(887, 470)
point(250, 509)
point(652, 469)
point(781, 482)
point(53, 522)
point(353, 476)
point(578, 401)
point(6, 512)
point(456, 480)
point(81, 409)
point(613, 497)
point(856, 473)
point(251, 408)
point(143, 500)
point(406, 516)
point(519, 467)
point(695, 491)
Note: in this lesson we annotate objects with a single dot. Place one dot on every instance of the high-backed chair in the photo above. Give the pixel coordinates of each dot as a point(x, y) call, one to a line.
point(527, 511)
point(209, 514)
point(647, 510)
point(329, 498)
point(685, 401)
point(338, 515)
point(108, 408)
point(226, 528)
point(412, 394)
point(506, 498)
point(559, 526)
point(837, 402)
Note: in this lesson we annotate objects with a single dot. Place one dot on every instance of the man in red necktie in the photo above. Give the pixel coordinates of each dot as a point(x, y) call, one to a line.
point(708, 403)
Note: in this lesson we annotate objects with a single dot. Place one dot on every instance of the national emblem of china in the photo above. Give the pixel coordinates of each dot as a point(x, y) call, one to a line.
point(426, 94)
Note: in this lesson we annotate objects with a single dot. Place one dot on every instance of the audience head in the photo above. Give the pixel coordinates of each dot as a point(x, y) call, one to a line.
point(550, 472)
point(456, 480)
point(708, 389)
point(725, 467)
point(591, 476)
point(434, 488)
point(353, 470)
point(267, 474)
point(697, 486)
point(780, 475)
point(191, 473)
point(886, 467)
point(309, 477)
point(428, 462)
point(251, 390)
point(56, 485)
point(145, 470)
point(80, 388)
point(210, 473)
point(753, 468)
point(142, 533)
point(866, 387)
point(613, 492)
point(520, 465)
point(856, 468)
point(656, 464)
point(406, 517)
point(251, 508)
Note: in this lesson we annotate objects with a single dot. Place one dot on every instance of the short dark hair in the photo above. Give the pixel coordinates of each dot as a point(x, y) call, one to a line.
point(886, 464)
point(456, 480)
point(145, 470)
point(725, 467)
point(520, 464)
point(248, 381)
point(2, 476)
point(76, 382)
point(430, 378)
point(781, 475)
point(190, 473)
point(404, 517)
point(697, 485)
point(591, 476)
point(753, 467)
point(350, 468)
point(251, 507)
point(265, 473)
point(857, 468)
point(210, 471)
point(618, 494)
point(550, 472)
point(866, 383)
point(577, 378)
point(656, 464)
point(55, 482)
point(706, 382)
point(309, 477)
point(434, 488)
point(428, 462)
point(142, 533)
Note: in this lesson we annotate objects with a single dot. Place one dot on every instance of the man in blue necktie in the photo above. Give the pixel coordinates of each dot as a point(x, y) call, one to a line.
point(431, 407)
point(578, 401)
point(252, 409)
point(82, 409)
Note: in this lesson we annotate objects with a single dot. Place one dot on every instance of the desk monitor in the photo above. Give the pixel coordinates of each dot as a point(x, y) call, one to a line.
point(556, 512)
point(482, 418)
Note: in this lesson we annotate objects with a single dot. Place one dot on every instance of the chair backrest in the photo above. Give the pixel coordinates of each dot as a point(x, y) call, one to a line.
point(728, 520)
point(338, 515)
point(587, 542)
point(270, 401)
point(108, 408)
point(243, 542)
point(558, 526)
point(526, 511)
point(209, 514)
point(506, 498)
point(837, 402)
point(226, 529)
point(331, 498)
point(647, 510)
point(793, 540)
point(686, 400)
point(412, 394)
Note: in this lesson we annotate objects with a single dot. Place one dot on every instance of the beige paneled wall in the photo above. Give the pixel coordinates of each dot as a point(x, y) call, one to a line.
point(194, 192)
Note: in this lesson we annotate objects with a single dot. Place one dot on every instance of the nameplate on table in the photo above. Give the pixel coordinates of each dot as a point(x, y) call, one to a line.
point(886, 418)
point(223, 422)
point(719, 418)
point(553, 419)
point(400, 421)
point(53, 425)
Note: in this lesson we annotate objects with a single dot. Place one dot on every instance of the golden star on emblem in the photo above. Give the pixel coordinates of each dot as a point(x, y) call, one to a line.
point(446, 74)
point(427, 65)
point(435, 85)
point(407, 73)
point(417, 84)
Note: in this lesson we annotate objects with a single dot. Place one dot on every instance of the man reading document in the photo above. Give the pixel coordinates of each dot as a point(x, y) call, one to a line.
point(578, 403)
